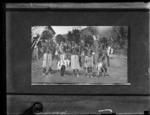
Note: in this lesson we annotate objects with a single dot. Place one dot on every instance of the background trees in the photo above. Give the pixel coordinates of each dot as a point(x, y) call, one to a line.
point(74, 36)
point(88, 40)
point(116, 37)
point(60, 38)
point(46, 35)
point(120, 36)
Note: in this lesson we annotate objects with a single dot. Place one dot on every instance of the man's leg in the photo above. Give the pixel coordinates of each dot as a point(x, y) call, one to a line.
point(63, 70)
point(44, 71)
point(105, 71)
point(77, 73)
point(108, 61)
point(50, 70)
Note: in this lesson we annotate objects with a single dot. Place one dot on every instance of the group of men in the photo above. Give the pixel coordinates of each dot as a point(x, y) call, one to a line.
point(87, 61)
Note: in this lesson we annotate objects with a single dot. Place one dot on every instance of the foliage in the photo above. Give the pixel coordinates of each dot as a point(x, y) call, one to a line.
point(93, 31)
point(60, 38)
point(120, 36)
point(88, 40)
point(46, 35)
point(74, 36)
point(104, 42)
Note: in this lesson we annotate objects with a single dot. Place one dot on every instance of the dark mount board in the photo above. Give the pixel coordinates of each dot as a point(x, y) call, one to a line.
point(121, 99)
point(18, 34)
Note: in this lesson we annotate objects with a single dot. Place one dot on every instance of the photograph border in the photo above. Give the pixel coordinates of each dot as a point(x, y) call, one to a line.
point(27, 88)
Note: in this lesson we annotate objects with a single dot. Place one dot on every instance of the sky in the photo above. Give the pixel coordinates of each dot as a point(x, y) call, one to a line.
point(65, 29)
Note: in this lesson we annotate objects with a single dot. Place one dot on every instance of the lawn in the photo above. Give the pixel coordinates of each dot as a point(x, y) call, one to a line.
point(117, 74)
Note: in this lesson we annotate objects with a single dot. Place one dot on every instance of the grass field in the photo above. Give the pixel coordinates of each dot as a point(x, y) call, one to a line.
point(117, 74)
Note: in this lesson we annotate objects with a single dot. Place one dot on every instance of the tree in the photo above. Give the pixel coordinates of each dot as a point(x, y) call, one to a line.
point(46, 35)
point(124, 36)
point(88, 40)
point(76, 36)
point(120, 36)
point(60, 38)
point(93, 31)
point(104, 42)
point(69, 36)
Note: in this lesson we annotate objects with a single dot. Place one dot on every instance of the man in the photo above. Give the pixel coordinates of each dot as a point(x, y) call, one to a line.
point(35, 53)
point(47, 62)
point(105, 59)
point(62, 64)
point(75, 63)
point(90, 63)
point(109, 51)
point(96, 48)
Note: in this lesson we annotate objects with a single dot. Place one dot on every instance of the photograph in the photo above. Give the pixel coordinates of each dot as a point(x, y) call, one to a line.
point(79, 55)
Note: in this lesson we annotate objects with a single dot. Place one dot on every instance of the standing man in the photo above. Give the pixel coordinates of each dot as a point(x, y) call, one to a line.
point(49, 61)
point(36, 51)
point(108, 55)
point(96, 45)
point(75, 63)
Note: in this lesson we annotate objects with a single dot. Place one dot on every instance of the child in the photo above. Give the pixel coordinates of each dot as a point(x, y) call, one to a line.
point(62, 64)
point(102, 67)
point(61, 67)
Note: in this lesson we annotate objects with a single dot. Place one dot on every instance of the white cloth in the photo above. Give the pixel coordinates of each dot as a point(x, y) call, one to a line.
point(67, 62)
point(60, 63)
point(62, 57)
point(56, 52)
point(47, 60)
point(109, 51)
point(75, 62)
point(44, 60)
point(99, 66)
point(86, 62)
point(89, 61)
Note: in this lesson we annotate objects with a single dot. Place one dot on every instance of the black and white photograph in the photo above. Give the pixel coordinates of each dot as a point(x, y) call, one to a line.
point(79, 55)
point(76, 58)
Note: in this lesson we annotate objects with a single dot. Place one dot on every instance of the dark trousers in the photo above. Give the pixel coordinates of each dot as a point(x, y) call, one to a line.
point(108, 61)
point(62, 70)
